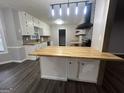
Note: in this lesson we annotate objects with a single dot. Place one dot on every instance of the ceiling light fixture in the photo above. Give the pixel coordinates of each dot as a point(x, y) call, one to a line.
point(53, 13)
point(59, 22)
point(60, 11)
point(76, 9)
point(68, 9)
point(85, 9)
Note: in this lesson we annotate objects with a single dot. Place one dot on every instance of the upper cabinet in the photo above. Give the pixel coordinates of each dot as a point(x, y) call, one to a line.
point(28, 22)
point(46, 29)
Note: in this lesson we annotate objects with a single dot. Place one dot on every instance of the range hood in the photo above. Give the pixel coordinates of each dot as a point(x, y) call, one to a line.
point(87, 24)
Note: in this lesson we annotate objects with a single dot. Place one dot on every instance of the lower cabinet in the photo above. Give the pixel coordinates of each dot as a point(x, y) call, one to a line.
point(69, 68)
point(83, 70)
point(53, 68)
point(72, 69)
point(88, 70)
point(30, 48)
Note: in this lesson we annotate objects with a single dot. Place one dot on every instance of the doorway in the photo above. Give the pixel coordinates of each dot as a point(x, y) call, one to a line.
point(62, 37)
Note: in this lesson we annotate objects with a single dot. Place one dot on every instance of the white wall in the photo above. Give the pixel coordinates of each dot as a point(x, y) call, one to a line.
point(70, 33)
point(12, 36)
point(100, 18)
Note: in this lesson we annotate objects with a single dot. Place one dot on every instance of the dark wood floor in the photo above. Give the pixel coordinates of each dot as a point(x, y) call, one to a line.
point(19, 77)
point(52, 86)
point(11, 73)
point(114, 77)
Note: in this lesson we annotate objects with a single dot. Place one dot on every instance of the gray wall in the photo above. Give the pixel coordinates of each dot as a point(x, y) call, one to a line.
point(117, 38)
point(116, 43)
point(11, 26)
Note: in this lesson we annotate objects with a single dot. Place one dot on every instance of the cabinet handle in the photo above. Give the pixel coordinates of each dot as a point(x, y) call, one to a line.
point(82, 64)
point(69, 62)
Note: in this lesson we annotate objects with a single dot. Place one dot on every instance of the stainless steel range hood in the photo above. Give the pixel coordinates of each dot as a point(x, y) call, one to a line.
point(87, 24)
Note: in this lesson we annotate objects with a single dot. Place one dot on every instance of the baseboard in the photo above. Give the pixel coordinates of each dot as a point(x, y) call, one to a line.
point(5, 62)
point(53, 78)
point(18, 61)
point(10, 61)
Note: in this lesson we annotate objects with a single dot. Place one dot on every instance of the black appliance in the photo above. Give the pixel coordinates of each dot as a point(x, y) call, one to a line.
point(87, 24)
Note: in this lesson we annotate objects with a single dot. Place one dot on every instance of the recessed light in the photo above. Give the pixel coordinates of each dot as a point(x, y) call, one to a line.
point(59, 22)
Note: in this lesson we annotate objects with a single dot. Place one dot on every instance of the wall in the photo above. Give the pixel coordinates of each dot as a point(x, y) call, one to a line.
point(70, 33)
point(12, 35)
point(100, 18)
point(116, 44)
point(114, 72)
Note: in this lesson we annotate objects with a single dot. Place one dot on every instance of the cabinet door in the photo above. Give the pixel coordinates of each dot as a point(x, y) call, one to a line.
point(44, 44)
point(22, 19)
point(53, 68)
point(46, 30)
point(88, 71)
point(28, 50)
point(72, 69)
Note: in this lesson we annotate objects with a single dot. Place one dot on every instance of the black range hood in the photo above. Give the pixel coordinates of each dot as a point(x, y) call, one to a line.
point(87, 24)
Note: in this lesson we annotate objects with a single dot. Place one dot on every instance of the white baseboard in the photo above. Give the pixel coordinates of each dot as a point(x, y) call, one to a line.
point(5, 62)
point(10, 61)
point(53, 78)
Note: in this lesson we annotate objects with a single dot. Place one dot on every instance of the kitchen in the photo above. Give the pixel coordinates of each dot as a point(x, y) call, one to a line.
point(57, 53)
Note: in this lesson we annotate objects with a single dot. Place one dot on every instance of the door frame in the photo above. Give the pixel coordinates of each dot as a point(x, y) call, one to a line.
point(65, 35)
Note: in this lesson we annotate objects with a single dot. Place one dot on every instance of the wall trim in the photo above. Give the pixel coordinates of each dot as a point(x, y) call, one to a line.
point(5, 62)
point(53, 77)
point(18, 61)
point(16, 47)
point(10, 61)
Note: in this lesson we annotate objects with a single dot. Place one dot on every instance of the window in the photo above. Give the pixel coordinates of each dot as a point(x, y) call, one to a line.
point(1, 44)
point(2, 40)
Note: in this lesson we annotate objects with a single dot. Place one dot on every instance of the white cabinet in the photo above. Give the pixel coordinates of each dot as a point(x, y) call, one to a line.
point(88, 70)
point(52, 69)
point(44, 44)
point(29, 49)
point(46, 30)
point(83, 70)
point(72, 68)
point(26, 23)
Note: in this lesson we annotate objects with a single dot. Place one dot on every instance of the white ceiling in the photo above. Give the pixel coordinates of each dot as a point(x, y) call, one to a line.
point(41, 9)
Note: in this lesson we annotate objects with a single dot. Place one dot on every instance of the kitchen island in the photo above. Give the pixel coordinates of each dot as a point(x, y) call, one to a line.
point(75, 52)
point(75, 63)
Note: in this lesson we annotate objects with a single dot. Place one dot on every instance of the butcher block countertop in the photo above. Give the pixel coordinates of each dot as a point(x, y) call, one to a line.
point(75, 52)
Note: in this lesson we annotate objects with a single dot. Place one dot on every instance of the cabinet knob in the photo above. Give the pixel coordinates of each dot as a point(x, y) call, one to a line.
point(82, 64)
point(69, 62)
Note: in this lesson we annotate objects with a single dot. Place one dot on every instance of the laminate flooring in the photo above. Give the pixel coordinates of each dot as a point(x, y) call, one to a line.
point(53, 86)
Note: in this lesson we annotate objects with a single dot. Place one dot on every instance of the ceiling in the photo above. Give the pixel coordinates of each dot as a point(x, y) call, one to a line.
point(41, 9)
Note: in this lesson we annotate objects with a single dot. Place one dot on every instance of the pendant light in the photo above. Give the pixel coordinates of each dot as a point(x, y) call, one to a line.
point(76, 9)
point(60, 10)
point(85, 9)
point(53, 12)
point(68, 10)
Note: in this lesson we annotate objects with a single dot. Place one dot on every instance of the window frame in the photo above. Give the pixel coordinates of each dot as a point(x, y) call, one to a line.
point(3, 38)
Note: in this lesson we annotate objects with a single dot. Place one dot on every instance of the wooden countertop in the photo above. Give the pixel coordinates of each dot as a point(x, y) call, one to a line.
point(76, 52)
